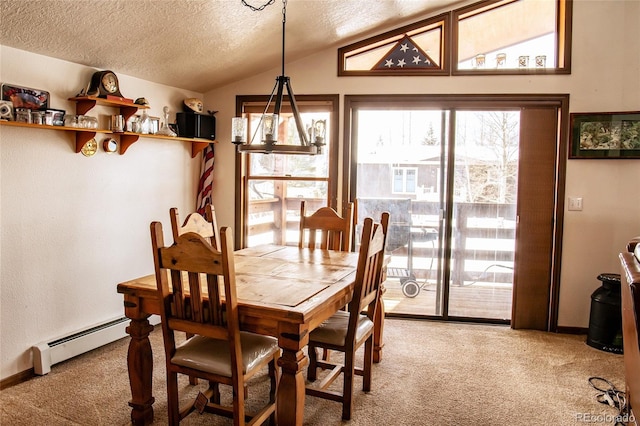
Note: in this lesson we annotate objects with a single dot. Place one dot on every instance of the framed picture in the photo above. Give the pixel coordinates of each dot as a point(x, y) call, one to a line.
point(25, 97)
point(605, 135)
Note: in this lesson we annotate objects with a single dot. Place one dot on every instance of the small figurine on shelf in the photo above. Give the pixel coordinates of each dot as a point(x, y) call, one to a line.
point(165, 130)
point(145, 124)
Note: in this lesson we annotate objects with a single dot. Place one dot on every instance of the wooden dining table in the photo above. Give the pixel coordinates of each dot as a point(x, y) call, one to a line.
point(283, 292)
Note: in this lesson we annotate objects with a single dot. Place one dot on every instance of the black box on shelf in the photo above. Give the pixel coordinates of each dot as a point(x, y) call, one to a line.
point(194, 125)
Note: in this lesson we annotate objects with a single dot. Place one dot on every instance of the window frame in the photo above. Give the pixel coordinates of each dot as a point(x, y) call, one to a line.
point(449, 45)
point(532, 292)
point(242, 162)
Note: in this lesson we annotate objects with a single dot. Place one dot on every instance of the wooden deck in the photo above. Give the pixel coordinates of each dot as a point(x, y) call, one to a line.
point(479, 300)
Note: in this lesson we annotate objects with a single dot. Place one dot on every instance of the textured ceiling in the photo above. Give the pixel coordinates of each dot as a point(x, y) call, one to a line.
point(195, 44)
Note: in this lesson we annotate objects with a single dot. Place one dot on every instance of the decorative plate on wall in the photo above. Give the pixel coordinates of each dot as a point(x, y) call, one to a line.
point(89, 148)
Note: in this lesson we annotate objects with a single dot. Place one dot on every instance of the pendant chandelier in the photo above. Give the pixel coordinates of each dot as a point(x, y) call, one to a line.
point(311, 139)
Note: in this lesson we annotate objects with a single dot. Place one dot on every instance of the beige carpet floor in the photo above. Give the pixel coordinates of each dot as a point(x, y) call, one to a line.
point(432, 373)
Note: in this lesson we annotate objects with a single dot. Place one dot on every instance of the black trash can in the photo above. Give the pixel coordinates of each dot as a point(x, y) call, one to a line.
point(605, 319)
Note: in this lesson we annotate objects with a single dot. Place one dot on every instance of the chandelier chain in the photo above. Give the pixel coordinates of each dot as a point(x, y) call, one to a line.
point(270, 126)
point(258, 8)
point(284, 11)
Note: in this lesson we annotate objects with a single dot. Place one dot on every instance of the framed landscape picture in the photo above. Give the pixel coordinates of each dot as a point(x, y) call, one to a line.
point(605, 135)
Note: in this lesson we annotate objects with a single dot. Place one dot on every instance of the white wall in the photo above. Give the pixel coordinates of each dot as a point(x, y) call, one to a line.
point(73, 227)
point(605, 77)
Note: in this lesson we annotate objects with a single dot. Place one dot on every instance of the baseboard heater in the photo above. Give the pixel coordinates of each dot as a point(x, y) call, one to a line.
point(47, 354)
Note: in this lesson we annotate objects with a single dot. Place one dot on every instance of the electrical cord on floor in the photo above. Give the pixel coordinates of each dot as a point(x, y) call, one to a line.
point(610, 396)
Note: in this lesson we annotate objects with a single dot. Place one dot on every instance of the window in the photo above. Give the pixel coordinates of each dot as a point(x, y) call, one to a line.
point(417, 49)
point(512, 37)
point(272, 185)
point(404, 180)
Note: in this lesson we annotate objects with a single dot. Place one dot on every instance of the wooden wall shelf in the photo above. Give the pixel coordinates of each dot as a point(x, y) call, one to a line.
point(126, 138)
point(85, 103)
point(82, 135)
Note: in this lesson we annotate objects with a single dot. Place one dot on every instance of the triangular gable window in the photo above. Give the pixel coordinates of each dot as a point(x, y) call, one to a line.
point(416, 49)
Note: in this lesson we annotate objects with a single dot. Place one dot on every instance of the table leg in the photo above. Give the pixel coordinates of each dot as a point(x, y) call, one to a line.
point(140, 363)
point(291, 387)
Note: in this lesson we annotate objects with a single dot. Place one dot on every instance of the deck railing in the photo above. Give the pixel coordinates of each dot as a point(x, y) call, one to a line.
point(483, 242)
point(483, 236)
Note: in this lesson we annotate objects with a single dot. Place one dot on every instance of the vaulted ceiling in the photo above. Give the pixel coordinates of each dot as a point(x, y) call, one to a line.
point(196, 44)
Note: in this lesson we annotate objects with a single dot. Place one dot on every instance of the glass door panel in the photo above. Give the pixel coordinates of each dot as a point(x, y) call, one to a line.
point(399, 169)
point(484, 214)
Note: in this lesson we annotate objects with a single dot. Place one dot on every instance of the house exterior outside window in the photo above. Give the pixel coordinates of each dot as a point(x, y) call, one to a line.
point(404, 180)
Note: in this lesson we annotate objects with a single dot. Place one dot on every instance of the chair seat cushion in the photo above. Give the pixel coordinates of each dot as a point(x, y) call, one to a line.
point(334, 330)
point(212, 355)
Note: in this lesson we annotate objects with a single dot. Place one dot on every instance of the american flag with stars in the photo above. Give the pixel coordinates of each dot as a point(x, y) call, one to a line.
point(405, 55)
point(205, 185)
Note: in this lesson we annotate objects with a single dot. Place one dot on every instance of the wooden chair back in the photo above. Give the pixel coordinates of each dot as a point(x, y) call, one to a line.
point(326, 229)
point(399, 210)
point(206, 226)
point(370, 269)
point(195, 306)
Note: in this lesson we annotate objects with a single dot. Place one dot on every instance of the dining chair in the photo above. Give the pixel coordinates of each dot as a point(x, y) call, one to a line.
point(188, 274)
point(206, 226)
point(346, 331)
point(336, 232)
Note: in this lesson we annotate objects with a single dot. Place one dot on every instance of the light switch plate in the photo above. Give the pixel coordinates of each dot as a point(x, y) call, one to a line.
point(575, 203)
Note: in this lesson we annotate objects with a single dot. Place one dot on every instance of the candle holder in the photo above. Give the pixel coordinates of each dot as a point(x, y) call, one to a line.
point(238, 130)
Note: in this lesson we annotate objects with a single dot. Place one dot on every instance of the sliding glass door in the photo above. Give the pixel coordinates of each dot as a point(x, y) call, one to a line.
point(449, 179)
